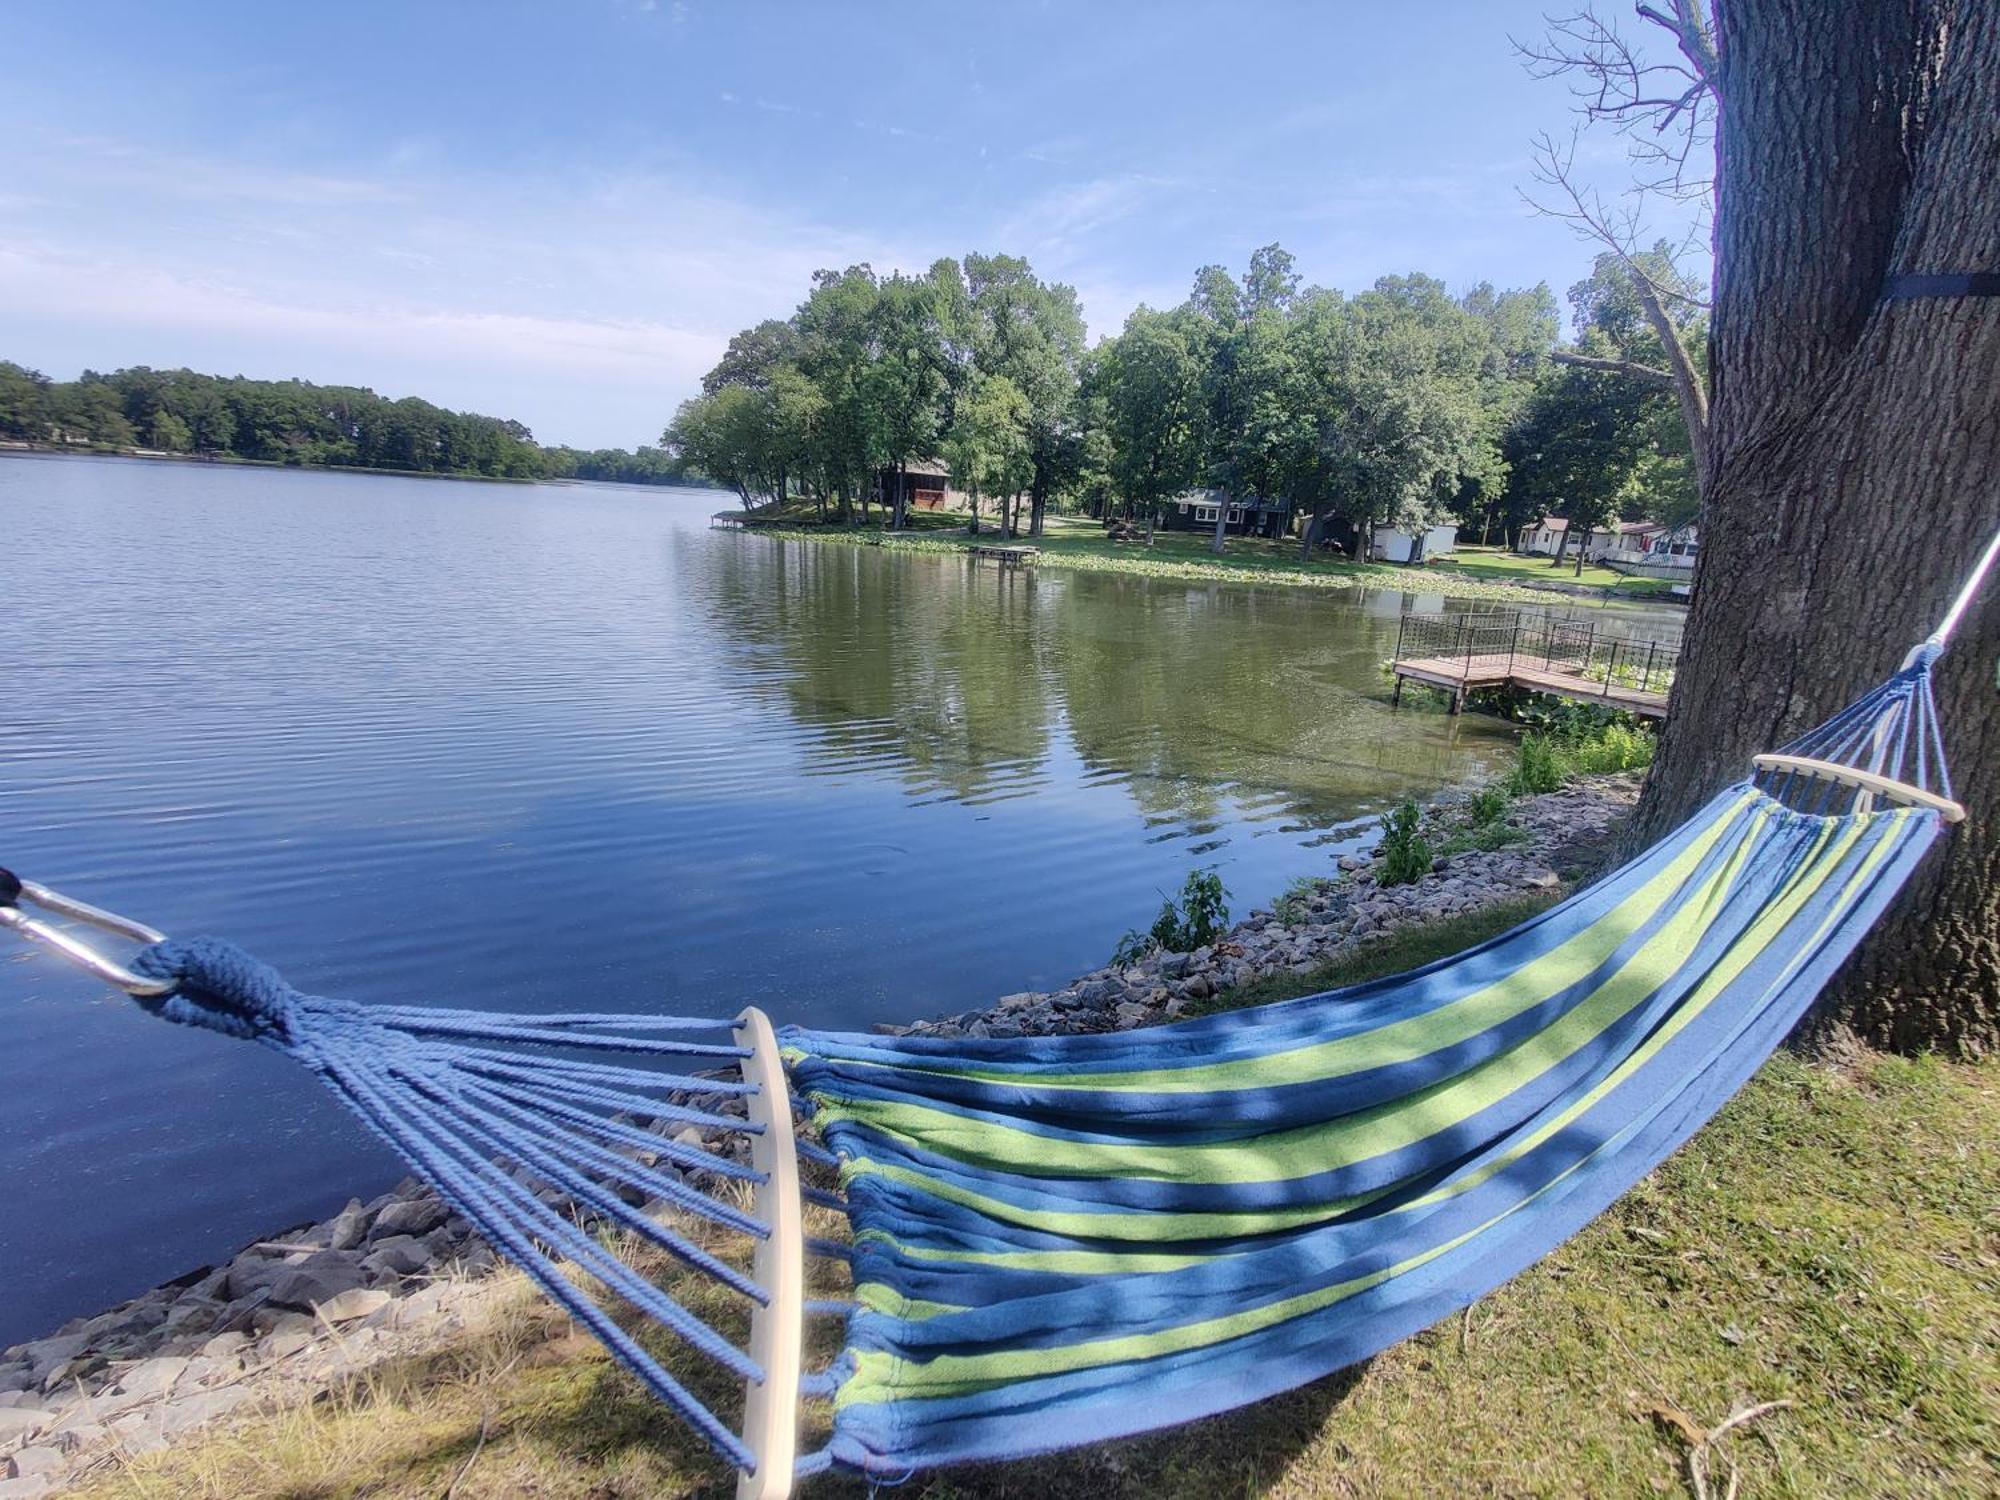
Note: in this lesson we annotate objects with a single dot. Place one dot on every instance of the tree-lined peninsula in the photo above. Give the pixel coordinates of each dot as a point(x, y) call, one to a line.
point(1402, 404)
point(297, 423)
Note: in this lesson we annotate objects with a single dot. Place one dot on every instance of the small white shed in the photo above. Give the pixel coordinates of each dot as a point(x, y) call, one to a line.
point(1393, 544)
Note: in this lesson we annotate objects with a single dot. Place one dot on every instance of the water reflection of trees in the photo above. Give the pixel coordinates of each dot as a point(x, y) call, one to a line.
point(1204, 701)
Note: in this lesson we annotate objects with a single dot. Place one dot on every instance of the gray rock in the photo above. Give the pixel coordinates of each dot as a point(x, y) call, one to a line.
point(1017, 1002)
point(47, 1355)
point(19, 1398)
point(27, 1487)
point(80, 1437)
point(284, 1343)
point(414, 1216)
point(193, 1411)
point(153, 1376)
point(138, 1432)
point(225, 1345)
point(357, 1302)
point(349, 1227)
point(398, 1255)
point(1173, 965)
point(31, 1461)
point(192, 1315)
point(243, 1314)
point(316, 1280)
point(17, 1422)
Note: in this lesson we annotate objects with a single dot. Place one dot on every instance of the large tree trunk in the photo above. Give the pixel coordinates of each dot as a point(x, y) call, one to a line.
point(1854, 464)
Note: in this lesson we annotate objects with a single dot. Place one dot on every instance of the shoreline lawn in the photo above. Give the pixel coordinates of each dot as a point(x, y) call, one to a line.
point(1079, 542)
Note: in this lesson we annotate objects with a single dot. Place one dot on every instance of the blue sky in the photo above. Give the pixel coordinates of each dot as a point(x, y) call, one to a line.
point(560, 212)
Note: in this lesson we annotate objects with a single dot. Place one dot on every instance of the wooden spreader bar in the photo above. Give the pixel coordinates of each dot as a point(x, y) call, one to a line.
point(777, 1330)
point(1867, 783)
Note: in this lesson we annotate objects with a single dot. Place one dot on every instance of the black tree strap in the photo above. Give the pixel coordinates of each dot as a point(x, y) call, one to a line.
point(1942, 284)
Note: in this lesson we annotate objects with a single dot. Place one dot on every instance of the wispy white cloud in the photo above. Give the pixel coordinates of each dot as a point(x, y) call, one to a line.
point(626, 285)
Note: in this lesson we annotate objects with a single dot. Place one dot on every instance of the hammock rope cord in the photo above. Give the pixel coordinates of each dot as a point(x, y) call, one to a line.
point(1057, 1240)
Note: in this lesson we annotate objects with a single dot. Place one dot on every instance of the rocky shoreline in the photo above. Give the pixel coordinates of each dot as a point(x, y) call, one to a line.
point(290, 1315)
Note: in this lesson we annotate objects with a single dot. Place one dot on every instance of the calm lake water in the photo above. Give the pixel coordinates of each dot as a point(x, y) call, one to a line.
point(564, 746)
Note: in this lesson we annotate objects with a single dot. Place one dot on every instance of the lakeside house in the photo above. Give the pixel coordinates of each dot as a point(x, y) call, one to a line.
point(1649, 549)
point(1625, 541)
point(1244, 515)
point(1402, 545)
point(1629, 546)
point(929, 486)
point(1545, 538)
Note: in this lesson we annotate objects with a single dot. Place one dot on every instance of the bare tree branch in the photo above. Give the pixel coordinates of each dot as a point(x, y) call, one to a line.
point(1664, 109)
point(1613, 366)
point(1618, 232)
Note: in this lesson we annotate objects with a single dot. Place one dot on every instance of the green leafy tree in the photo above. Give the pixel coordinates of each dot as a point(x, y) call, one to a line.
point(729, 437)
point(1030, 333)
point(1387, 385)
point(168, 432)
point(24, 402)
point(907, 381)
point(1152, 381)
point(89, 411)
point(753, 356)
point(836, 340)
point(990, 444)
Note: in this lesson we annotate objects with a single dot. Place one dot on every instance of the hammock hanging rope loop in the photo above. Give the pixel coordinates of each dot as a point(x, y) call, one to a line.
point(14, 891)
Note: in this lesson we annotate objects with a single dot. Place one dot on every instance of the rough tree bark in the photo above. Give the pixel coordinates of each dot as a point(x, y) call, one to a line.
point(1854, 463)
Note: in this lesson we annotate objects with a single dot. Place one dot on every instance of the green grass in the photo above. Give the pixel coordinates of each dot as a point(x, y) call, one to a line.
point(1080, 543)
point(1495, 563)
point(1827, 1241)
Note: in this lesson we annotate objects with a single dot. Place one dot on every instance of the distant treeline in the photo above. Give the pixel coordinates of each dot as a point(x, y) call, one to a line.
point(296, 422)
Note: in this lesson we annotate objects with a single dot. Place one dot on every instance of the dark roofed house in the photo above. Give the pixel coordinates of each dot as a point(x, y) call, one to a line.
point(1196, 510)
point(930, 487)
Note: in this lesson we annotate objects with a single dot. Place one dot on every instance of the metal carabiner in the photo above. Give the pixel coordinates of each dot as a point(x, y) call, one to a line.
point(14, 891)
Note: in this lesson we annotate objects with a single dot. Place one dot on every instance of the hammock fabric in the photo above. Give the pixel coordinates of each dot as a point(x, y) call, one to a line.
point(1062, 1240)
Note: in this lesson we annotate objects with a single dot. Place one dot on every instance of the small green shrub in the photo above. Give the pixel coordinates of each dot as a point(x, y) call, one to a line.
point(1204, 910)
point(1542, 766)
point(1488, 804)
point(1406, 854)
point(1551, 759)
point(1291, 908)
point(1132, 947)
point(1615, 747)
point(1197, 919)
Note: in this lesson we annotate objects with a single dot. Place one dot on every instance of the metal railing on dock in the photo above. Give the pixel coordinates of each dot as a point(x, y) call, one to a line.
point(1572, 659)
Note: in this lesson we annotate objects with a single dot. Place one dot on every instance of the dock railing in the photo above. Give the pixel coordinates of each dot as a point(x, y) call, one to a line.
point(1485, 645)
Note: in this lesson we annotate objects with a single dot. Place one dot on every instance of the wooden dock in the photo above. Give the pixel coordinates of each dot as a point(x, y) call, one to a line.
point(1461, 653)
point(1459, 677)
point(1011, 556)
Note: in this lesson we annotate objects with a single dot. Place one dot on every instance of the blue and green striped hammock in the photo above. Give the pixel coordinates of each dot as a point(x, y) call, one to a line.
point(1060, 1240)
